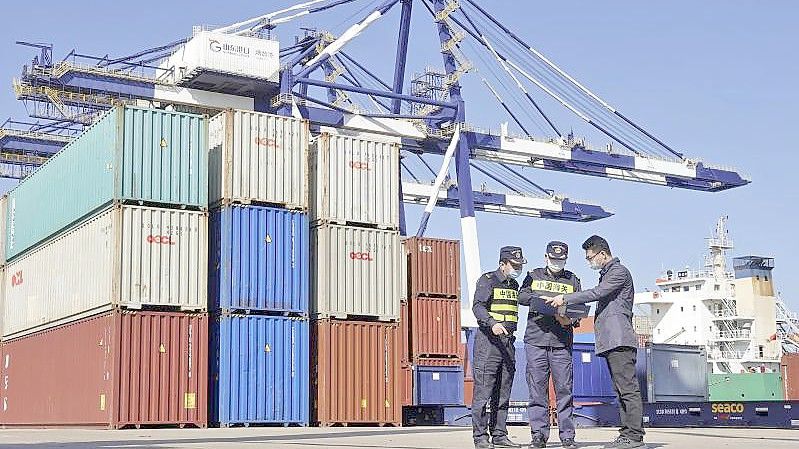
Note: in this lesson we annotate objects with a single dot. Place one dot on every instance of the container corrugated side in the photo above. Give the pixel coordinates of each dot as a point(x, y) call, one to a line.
point(3, 219)
point(355, 373)
point(355, 181)
point(746, 387)
point(672, 373)
point(355, 272)
point(260, 259)
point(258, 158)
point(130, 155)
point(259, 367)
point(438, 385)
point(790, 376)
point(434, 267)
point(591, 375)
point(435, 327)
point(128, 256)
point(116, 369)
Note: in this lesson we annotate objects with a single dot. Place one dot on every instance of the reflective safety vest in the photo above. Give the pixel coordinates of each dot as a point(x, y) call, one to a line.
point(504, 305)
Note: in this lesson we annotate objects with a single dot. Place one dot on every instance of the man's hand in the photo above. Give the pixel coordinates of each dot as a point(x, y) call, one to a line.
point(499, 329)
point(564, 321)
point(554, 301)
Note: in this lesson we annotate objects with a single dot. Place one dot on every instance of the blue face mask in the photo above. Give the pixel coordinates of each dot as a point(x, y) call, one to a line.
point(515, 274)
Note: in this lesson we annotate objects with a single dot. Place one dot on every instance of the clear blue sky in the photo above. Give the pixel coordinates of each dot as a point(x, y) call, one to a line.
point(716, 79)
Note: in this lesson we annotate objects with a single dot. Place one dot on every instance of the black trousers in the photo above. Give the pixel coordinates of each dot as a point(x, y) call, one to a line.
point(494, 368)
point(621, 363)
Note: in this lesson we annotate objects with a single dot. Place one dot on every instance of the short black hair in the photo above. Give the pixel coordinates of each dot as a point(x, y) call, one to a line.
point(597, 244)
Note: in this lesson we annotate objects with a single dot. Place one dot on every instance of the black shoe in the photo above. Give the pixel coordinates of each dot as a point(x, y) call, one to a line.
point(538, 441)
point(505, 442)
point(483, 445)
point(624, 443)
point(568, 444)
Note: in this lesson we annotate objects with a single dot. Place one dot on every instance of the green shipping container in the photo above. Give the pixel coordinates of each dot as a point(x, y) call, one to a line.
point(746, 387)
point(131, 155)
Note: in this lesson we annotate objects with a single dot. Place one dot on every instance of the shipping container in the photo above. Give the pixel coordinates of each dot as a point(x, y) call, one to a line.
point(672, 373)
point(259, 370)
point(127, 256)
point(258, 158)
point(405, 335)
point(2, 301)
point(403, 270)
point(3, 219)
point(355, 272)
point(746, 387)
point(406, 384)
point(116, 369)
point(790, 376)
point(437, 385)
point(434, 267)
point(591, 375)
point(355, 181)
point(260, 259)
point(130, 155)
point(355, 373)
point(435, 327)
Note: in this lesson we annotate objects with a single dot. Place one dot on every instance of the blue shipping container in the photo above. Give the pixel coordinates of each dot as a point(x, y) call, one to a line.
point(591, 375)
point(259, 259)
point(130, 155)
point(259, 370)
point(438, 385)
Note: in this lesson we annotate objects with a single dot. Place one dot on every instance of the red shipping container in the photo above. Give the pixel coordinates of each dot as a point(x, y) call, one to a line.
point(405, 335)
point(468, 391)
point(114, 370)
point(434, 267)
point(790, 376)
point(356, 378)
point(435, 327)
point(406, 374)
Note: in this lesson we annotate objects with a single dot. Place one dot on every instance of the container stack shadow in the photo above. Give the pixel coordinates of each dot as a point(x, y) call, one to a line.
point(104, 293)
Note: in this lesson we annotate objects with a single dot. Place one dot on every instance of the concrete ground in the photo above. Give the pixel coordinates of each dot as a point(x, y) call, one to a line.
point(363, 437)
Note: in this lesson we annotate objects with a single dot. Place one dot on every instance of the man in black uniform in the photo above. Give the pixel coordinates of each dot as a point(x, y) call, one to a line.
point(548, 342)
point(497, 312)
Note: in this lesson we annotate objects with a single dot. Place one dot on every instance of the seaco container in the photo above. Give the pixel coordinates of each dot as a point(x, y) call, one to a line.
point(434, 327)
point(356, 181)
point(355, 272)
point(127, 256)
point(259, 370)
point(746, 387)
point(115, 370)
point(434, 267)
point(355, 375)
point(258, 158)
point(130, 155)
point(672, 373)
point(259, 260)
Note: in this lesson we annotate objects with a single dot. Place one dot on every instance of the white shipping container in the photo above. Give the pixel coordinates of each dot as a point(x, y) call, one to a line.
point(403, 270)
point(246, 56)
point(355, 272)
point(2, 299)
point(258, 158)
point(355, 181)
point(126, 256)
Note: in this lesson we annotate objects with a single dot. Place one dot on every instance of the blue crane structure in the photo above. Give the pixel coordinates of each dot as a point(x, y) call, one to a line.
point(321, 81)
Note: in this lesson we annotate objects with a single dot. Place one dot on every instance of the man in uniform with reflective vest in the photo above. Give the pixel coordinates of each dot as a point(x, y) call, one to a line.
point(548, 342)
point(497, 311)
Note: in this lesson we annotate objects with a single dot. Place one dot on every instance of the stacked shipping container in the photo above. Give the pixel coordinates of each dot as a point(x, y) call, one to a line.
point(432, 363)
point(356, 280)
point(259, 269)
point(111, 229)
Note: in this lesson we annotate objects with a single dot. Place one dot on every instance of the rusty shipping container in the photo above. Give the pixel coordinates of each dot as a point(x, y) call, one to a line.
point(355, 181)
point(434, 327)
point(117, 369)
point(433, 267)
point(790, 376)
point(355, 272)
point(355, 373)
point(258, 158)
point(126, 256)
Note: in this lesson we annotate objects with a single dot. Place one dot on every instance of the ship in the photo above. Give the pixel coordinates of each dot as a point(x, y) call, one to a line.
point(738, 314)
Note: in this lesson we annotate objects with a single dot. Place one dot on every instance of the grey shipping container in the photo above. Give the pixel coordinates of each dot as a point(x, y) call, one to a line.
point(355, 272)
point(258, 158)
point(672, 373)
point(355, 181)
point(126, 256)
